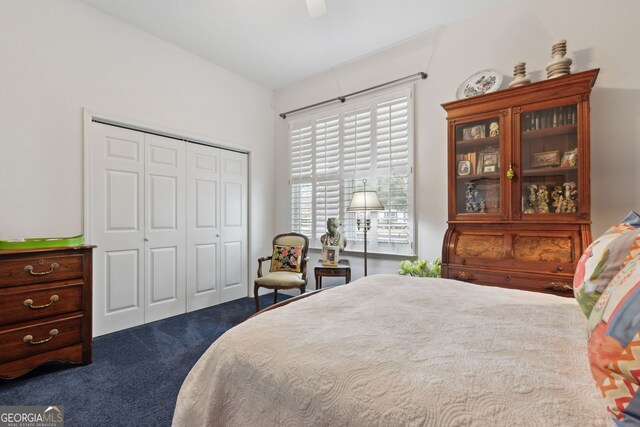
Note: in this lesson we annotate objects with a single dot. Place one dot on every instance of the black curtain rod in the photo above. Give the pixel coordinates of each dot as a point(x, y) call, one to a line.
point(343, 98)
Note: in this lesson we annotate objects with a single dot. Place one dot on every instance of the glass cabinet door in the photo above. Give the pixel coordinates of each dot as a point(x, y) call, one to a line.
point(549, 159)
point(477, 167)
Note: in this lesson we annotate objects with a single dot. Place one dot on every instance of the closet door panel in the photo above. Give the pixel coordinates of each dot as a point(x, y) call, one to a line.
point(163, 204)
point(203, 228)
point(234, 227)
point(117, 208)
point(206, 269)
point(165, 234)
point(122, 284)
point(232, 268)
point(163, 270)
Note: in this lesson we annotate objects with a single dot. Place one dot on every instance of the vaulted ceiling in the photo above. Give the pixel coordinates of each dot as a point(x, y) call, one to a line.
point(275, 42)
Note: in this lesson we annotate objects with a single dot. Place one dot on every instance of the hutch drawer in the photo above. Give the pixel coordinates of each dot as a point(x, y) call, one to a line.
point(559, 284)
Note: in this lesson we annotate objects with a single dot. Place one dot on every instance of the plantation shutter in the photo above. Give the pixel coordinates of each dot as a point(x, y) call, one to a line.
point(301, 179)
point(327, 204)
point(327, 146)
point(327, 151)
point(392, 163)
point(356, 155)
point(392, 137)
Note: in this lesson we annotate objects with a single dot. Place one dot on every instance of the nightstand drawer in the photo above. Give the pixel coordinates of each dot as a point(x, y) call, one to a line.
point(22, 303)
point(328, 271)
point(29, 339)
point(40, 269)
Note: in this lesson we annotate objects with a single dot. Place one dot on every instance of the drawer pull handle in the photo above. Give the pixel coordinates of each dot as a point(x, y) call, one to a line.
point(464, 275)
point(559, 287)
point(29, 302)
point(29, 338)
point(29, 269)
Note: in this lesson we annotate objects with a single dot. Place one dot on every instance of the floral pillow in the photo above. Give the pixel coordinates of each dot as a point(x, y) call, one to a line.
point(286, 258)
point(614, 344)
point(603, 259)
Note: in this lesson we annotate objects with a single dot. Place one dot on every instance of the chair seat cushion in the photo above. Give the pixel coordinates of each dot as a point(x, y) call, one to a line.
point(284, 279)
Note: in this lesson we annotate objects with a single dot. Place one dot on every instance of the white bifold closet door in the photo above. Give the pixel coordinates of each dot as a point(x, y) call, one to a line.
point(169, 219)
point(234, 214)
point(165, 228)
point(216, 226)
point(203, 227)
point(117, 227)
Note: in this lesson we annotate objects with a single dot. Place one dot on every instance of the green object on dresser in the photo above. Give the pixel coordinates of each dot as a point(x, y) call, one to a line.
point(41, 242)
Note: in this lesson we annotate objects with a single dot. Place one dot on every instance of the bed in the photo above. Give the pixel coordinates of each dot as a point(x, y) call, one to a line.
point(389, 350)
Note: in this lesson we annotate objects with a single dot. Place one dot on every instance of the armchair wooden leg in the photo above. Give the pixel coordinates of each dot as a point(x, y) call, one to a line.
point(255, 293)
point(302, 289)
point(275, 296)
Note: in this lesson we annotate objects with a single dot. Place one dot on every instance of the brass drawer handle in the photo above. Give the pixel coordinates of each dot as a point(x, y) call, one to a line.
point(29, 338)
point(29, 302)
point(559, 287)
point(29, 269)
point(463, 275)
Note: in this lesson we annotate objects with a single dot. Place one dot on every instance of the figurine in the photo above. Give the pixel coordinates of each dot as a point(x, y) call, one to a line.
point(533, 191)
point(543, 199)
point(471, 192)
point(558, 199)
point(474, 204)
point(333, 237)
point(494, 129)
point(570, 195)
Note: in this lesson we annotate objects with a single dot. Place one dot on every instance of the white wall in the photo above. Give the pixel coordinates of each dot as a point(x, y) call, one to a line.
point(58, 57)
point(599, 35)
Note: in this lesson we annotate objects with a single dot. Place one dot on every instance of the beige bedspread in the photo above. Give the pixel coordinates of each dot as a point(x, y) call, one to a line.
point(389, 350)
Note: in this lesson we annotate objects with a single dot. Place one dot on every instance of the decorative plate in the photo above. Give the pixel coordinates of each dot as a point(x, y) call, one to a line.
point(484, 81)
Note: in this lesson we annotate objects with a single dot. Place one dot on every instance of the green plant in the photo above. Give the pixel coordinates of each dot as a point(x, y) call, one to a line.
point(420, 268)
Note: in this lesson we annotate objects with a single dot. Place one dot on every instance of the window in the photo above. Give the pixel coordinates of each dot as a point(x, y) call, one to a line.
point(335, 151)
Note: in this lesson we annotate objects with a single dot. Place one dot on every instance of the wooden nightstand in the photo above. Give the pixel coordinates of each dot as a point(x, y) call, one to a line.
point(342, 270)
point(45, 307)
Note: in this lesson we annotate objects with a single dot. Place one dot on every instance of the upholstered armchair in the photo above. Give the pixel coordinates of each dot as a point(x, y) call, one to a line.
point(288, 268)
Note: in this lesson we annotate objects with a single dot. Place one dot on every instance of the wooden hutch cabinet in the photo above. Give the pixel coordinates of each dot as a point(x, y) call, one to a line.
point(519, 190)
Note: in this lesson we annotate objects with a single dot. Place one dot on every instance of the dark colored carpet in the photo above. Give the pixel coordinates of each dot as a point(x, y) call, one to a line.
point(136, 374)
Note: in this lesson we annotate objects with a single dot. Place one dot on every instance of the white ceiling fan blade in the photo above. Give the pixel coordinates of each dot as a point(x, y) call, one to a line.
point(316, 8)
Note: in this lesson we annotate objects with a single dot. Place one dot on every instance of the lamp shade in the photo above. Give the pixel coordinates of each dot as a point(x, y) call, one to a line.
point(365, 201)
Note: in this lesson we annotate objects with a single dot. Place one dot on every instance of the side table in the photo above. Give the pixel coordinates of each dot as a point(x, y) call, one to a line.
point(343, 269)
